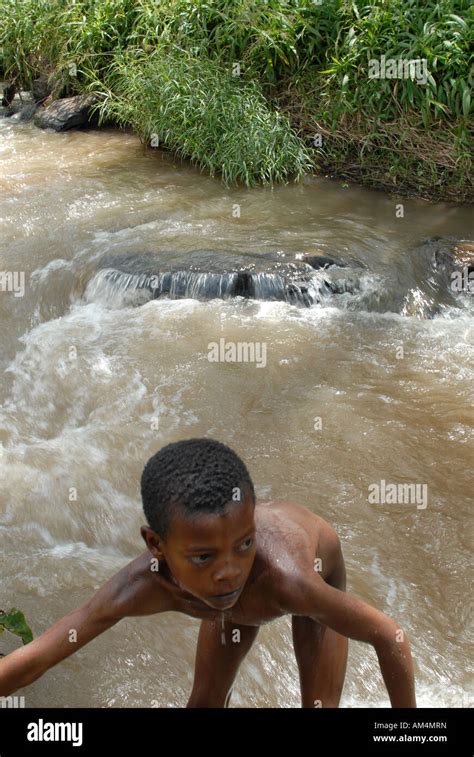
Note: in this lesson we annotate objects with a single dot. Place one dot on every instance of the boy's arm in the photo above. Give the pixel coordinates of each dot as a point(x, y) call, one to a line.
point(120, 596)
point(25, 664)
point(357, 620)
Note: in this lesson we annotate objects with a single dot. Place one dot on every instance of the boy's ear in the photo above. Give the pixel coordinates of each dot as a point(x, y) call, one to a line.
point(152, 541)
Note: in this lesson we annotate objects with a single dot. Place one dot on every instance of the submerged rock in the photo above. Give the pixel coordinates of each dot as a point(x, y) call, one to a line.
point(210, 276)
point(41, 89)
point(454, 256)
point(8, 94)
point(445, 276)
point(463, 254)
point(27, 113)
point(319, 261)
point(21, 105)
point(69, 113)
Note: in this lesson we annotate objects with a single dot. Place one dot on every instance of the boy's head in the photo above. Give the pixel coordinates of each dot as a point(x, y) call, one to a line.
point(199, 502)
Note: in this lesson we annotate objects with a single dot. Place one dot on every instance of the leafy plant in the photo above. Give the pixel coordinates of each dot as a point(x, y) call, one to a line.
point(14, 621)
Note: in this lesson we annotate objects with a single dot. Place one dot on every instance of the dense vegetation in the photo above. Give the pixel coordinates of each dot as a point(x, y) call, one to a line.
point(265, 90)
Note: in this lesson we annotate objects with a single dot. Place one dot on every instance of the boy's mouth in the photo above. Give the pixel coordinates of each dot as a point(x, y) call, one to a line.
point(225, 598)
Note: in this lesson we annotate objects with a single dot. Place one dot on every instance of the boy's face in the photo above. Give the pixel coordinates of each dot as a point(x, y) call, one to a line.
point(211, 556)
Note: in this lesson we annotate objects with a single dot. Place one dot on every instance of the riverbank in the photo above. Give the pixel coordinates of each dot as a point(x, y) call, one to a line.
point(374, 95)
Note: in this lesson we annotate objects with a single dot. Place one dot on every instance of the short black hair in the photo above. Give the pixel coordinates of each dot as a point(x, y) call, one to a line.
point(195, 476)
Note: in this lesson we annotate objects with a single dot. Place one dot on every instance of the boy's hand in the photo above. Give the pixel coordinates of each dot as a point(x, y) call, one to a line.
point(350, 617)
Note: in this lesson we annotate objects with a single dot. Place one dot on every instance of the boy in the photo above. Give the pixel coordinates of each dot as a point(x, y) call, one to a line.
point(215, 554)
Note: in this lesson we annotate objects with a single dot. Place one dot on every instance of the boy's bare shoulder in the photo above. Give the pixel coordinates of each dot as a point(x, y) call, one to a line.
point(296, 541)
point(293, 518)
point(135, 589)
point(144, 588)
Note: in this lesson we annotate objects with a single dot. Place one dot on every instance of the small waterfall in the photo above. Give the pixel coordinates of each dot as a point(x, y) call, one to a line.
point(305, 290)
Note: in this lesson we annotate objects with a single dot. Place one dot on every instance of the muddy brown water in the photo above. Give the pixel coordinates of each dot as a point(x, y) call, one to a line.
point(92, 384)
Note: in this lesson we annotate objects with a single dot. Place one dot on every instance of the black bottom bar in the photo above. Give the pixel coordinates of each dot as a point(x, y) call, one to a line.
point(155, 731)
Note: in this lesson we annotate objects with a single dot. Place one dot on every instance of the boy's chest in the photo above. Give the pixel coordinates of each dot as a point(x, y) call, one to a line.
point(250, 616)
point(253, 608)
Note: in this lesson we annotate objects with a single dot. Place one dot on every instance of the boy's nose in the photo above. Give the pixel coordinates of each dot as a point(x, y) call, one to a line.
point(227, 574)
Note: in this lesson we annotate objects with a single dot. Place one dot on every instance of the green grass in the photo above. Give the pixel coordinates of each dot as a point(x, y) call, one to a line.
point(61, 39)
point(197, 108)
point(304, 70)
point(396, 133)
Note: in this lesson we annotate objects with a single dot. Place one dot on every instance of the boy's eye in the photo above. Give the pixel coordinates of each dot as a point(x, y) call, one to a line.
point(199, 559)
point(246, 544)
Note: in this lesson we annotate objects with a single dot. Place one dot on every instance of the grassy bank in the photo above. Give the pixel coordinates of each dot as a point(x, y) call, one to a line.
point(266, 90)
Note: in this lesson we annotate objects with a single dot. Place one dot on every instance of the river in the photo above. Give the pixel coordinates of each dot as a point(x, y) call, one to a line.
point(93, 383)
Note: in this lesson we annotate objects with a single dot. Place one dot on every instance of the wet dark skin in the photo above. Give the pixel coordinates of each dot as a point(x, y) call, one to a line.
point(280, 559)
